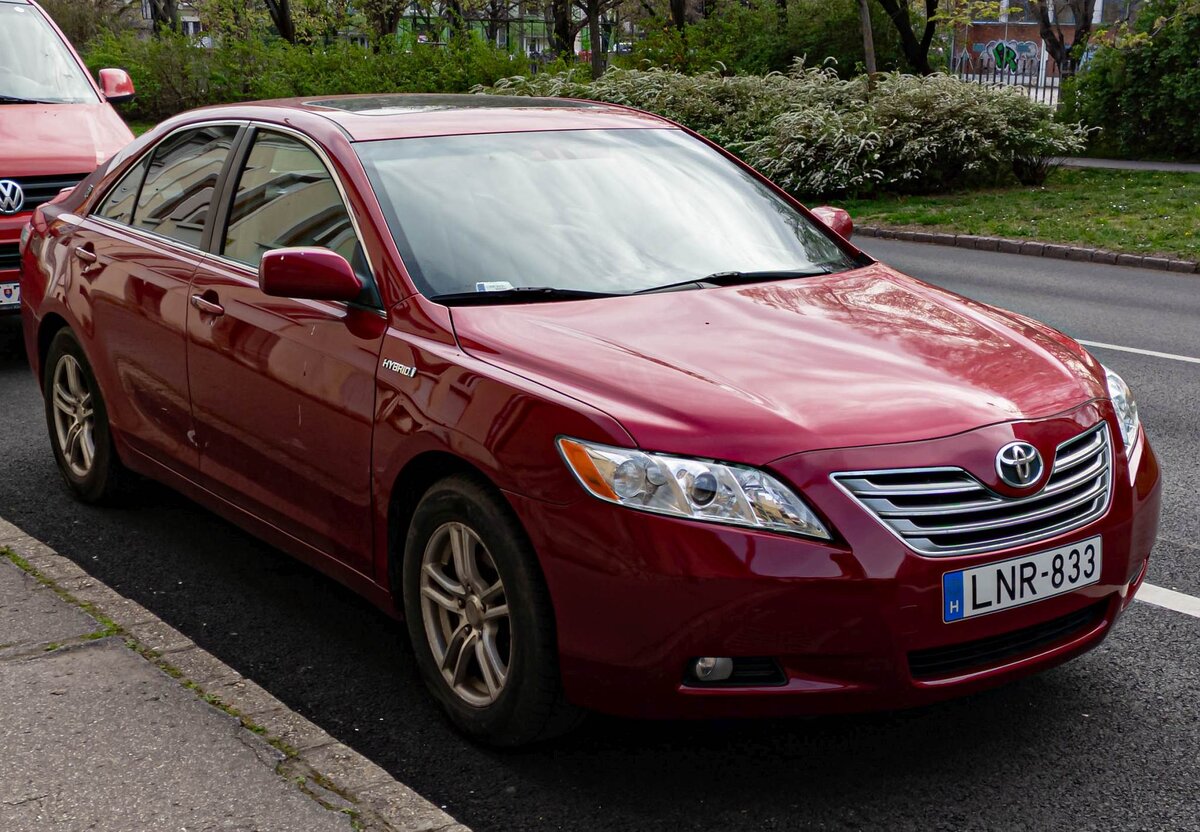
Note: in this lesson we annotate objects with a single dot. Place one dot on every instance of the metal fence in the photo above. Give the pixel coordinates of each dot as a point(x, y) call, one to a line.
point(1002, 65)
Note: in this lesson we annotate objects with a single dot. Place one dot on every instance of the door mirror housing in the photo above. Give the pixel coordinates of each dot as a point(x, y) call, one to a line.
point(116, 85)
point(309, 273)
point(836, 218)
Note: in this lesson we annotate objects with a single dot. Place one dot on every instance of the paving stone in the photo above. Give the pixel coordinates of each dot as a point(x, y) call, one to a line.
point(1161, 263)
point(244, 696)
point(1010, 246)
point(159, 636)
point(1101, 256)
point(95, 737)
point(1183, 266)
point(1079, 254)
point(348, 770)
point(1134, 260)
point(201, 667)
point(1059, 252)
point(943, 239)
point(31, 613)
point(401, 807)
point(1034, 248)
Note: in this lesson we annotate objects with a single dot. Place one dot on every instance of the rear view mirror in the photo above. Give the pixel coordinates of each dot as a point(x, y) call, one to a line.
point(836, 218)
point(116, 85)
point(312, 273)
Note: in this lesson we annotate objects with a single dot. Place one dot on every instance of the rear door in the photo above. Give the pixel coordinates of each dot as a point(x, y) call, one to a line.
point(283, 390)
point(133, 260)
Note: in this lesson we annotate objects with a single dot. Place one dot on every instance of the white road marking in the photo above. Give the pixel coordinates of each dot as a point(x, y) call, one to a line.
point(1169, 599)
point(1153, 353)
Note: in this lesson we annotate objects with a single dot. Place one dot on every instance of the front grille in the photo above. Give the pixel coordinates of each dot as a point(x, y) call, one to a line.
point(41, 189)
point(941, 662)
point(946, 511)
point(10, 256)
point(748, 672)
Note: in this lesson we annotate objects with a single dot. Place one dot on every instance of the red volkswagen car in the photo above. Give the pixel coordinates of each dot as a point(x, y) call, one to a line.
point(613, 422)
point(56, 125)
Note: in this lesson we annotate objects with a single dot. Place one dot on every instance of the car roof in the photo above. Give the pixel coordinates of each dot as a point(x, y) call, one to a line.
point(407, 115)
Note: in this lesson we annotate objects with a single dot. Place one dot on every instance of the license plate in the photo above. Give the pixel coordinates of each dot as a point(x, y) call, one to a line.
point(1019, 581)
point(10, 295)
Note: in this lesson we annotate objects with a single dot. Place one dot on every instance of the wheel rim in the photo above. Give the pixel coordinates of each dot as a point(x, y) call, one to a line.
point(465, 611)
point(74, 416)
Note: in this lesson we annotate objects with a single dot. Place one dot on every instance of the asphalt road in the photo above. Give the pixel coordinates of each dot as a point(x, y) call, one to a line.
point(1106, 742)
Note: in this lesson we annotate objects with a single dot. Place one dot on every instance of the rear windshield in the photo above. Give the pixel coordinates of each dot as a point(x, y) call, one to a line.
point(35, 65)
point(612, 211)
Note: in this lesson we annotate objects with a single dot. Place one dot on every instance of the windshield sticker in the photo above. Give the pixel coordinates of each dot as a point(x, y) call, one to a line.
point(493, 286)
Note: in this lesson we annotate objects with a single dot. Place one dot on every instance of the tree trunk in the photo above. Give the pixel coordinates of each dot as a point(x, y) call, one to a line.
point(457, 18)
point(564, 35)
point(595, 38)
point(281, 16)
point(679, 13)
point(864, 16)
point(1052, 33)
point(916, 52)
point(164, 13)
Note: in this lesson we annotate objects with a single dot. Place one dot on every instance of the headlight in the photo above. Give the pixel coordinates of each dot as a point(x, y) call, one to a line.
point(1126, 407)
point(692, 488)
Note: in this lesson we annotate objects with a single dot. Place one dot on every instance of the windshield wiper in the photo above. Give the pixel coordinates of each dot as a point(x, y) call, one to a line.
point(518, 294)
point(736, 279)
point(12, 99)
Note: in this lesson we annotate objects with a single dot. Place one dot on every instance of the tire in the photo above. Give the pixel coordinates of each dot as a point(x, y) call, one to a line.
point(464, 625)
point(86, 457)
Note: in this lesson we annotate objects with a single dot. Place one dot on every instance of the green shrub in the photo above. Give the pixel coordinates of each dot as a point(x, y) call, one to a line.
point(1144, 94)
point(172, 74)
point(819, 135)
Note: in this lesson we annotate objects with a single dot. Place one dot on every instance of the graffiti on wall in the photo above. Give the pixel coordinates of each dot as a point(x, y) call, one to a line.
point(1007, 55)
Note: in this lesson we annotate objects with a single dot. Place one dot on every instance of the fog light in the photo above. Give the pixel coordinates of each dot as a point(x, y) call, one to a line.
point(712, 668)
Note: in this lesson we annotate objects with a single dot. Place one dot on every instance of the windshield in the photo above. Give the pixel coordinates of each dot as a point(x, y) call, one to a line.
point(608, 211)
point(35, 65)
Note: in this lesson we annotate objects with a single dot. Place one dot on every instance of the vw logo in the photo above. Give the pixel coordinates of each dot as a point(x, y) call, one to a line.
point(1019, 464)
point(12, 198)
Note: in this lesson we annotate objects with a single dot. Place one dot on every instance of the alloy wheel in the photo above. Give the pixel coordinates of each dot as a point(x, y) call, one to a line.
point(74, 416)
point(465, 612)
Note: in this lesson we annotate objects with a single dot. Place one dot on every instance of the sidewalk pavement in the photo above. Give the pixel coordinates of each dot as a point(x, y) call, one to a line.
point(1127, 164)
point(111, 720)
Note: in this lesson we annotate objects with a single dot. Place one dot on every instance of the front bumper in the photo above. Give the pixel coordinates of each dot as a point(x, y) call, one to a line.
point(637, 596)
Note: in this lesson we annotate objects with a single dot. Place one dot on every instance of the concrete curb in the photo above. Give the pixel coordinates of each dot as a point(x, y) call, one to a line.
point(326, 770)
point(1031, 247)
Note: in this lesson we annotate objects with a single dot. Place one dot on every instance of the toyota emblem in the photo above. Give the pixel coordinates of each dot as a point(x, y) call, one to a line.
point(1019, 464)
point(12, 198)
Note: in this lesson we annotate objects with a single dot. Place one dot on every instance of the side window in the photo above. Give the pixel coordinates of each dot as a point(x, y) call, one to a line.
point(285, 197)
point(118, 205)
point(179, 183)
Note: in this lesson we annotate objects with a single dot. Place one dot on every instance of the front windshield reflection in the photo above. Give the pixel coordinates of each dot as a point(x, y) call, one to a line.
point(611, 211)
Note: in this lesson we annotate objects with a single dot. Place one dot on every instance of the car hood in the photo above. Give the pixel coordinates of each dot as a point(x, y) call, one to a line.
point(754, 373)
point(50, 139)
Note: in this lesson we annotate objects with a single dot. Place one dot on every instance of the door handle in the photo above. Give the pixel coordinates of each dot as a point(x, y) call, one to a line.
point(91, 262)
point(207, 306)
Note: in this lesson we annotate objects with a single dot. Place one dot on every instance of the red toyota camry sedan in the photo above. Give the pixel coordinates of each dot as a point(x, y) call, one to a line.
point(613, 422)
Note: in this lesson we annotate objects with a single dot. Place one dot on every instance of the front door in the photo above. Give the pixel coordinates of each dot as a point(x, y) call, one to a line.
point(134, 257)
point(283, 390)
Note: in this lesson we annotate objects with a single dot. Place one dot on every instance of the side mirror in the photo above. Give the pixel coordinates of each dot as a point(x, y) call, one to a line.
point(835, 218)
point(312, 273)
point(116, 85)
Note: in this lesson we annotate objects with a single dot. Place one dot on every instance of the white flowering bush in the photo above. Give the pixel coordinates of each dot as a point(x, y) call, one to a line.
point(819, 135)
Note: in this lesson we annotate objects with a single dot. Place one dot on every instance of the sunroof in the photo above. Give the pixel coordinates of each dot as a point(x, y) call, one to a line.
point(399, 103)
